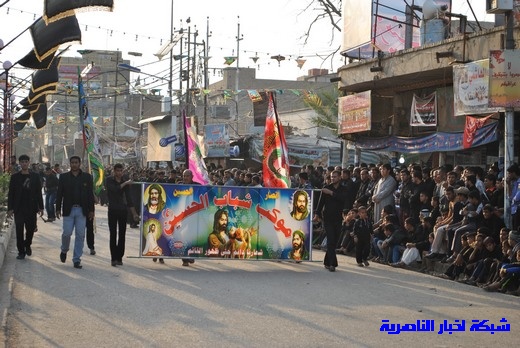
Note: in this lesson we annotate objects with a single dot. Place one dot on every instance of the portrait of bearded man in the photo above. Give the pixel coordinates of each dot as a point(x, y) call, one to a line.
point(156, 201)
point(300, 209)
point(298, 251)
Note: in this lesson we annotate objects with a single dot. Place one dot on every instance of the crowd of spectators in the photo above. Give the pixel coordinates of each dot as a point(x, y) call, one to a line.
point(420, 217)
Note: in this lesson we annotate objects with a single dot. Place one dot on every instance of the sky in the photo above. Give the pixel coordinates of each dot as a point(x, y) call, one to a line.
point(267, 28)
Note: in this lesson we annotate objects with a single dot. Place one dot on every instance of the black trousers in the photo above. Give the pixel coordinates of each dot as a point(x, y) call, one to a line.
point(332, 228)
point(117, 227)
point(24, 219)
point(90, 233)
point(362, 248)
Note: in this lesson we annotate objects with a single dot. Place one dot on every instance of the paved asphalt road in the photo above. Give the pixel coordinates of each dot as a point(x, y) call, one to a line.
point(45, 303)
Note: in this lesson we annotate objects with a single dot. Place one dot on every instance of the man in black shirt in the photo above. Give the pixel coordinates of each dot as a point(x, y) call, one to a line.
point(330, 207)
point(119, 200)
point(51, 188)
point(24, 201)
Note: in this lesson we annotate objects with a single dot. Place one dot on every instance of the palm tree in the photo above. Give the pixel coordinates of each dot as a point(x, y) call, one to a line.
point(326, 106)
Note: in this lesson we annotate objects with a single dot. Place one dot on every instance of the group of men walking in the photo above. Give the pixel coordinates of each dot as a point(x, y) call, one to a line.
point(74, 199)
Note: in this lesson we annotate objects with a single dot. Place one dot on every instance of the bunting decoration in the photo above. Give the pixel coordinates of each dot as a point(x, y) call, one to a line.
point(194, 160)
point(54, 10)
point(90, 140)
point(278, 58)
point(275, 163)
point(229, 60)
point(226, 94)
point(473, 124)
point(254, 95)
point(424, 111)
point(300, 62)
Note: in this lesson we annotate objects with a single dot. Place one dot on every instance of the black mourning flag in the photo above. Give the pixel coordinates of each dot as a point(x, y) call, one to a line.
point(44, 79)
point(21, 121)
point(260, 110)
point(30, 61)
point(40, 116)
point(48, 38)
point(54, 10)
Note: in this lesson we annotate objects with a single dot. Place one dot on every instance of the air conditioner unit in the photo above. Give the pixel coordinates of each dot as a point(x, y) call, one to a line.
point(219, 111)
point(499, 6)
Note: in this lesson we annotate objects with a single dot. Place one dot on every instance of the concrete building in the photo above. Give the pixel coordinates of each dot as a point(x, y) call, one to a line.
point(115, 103)
point(394, 77)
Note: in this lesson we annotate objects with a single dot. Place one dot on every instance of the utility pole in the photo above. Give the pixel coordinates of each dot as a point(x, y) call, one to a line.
point(509, 124)
point(115, 109)
point(237, 78)
point(206, 82)
point(188, 71)
point(170, 86)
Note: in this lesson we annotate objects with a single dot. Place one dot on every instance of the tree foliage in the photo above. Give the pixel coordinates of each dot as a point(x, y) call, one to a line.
point(326, 106)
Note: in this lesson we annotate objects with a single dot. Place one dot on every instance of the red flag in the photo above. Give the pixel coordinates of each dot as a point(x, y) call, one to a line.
point(470, 129)
point(275, 161)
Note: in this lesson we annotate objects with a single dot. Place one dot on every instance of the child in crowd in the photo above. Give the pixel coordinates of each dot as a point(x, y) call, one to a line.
point(361, 234)
point(346, 241)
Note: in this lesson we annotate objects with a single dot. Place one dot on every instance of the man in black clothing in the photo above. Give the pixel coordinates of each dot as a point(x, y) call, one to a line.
point(24, 200)
point(415, 198)
point(51, 188)
point(406, 189)
point(187, 178)
point(330, 207)
point(351, 188)
point(119, 200)
point(363, 192)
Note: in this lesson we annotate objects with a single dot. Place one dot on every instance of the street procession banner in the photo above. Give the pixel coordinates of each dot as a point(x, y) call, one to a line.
point(253, 223)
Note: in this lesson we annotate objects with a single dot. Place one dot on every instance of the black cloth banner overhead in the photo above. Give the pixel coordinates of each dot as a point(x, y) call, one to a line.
point(48, 38)
point(34, 96)
point(260, 110)
point(30, 61)
point(40, 116)
point(43, 79)
point(54, 10)
point(21, 121)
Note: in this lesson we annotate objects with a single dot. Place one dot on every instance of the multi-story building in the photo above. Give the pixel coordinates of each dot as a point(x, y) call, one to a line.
point(395, 76)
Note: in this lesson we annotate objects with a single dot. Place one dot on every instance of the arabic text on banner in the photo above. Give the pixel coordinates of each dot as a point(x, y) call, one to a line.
point(262, 223)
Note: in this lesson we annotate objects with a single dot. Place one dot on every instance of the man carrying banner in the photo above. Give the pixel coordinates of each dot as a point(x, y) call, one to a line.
point(119, 200)
point(187, 179)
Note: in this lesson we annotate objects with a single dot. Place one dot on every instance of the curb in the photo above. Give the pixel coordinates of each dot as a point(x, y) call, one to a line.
point(6, 228)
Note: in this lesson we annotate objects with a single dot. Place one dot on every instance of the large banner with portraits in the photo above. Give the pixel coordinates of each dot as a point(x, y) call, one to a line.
point(180, 221)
